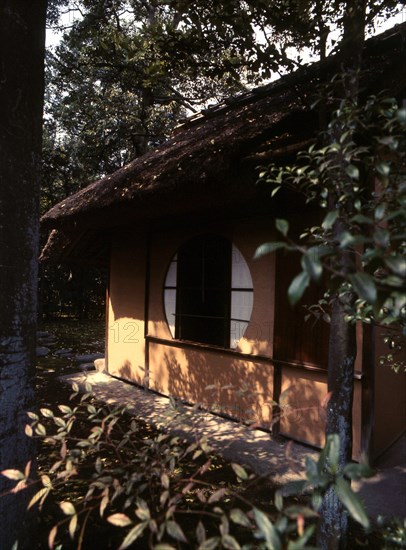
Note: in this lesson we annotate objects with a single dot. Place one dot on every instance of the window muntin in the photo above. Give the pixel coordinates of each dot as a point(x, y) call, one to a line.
point(208, 294)
point(242, 297)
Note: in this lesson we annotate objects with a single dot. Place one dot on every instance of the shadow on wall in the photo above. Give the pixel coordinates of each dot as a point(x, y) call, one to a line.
point(237, 388)
point(241, 389)
point(136, 374)
point(303, 400)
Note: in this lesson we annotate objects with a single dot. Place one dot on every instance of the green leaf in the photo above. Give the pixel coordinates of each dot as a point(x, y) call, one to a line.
point(267, 530)
point(28, 430)
point(47, 413)
point(358, 471)
point(67, 508)
point(165, 480)
point(401, 116)
point(297, 287)
point(72, 526)
point(295, 511)
point(364, 286)
point(380, 211)
point(330, 219)
point(351, 502)
point(239, 471)
point(282, 226)
point(59, 421)
point(133, 535)
point(346, 239)
point(352, 171)
point(143, 513)
point(209, 544)
point(268, 248)
point(65, 409)
point(333, 452)
point(312, 265)
point(278, 500)
point(200, 533)
point(239, 517)
point(230, 543)
point(175, 531)
point(383, 168)
point(37, 497)
point(15, 475)
point(119, 519)
point(397, 265)
point(40, 429)
point(51, 537)
point(360, 218)
point(217, 495)
point(394, 281)
point(321, 250)
point(91, 409)
point(46, 481)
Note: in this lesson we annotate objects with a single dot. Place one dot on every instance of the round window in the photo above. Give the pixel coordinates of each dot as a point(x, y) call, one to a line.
point(208, 292)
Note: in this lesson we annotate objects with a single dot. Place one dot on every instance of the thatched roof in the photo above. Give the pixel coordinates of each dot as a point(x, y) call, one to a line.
point(209, 162)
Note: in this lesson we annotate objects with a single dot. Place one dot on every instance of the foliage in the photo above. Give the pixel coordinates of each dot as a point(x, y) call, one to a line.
point(156, 487)
point(360, 182)
point(77, 292)
point(118, 82)
point(393, 533)
point(126, 71)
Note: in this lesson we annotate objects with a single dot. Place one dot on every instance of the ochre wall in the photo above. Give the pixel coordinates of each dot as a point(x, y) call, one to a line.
point(303, 407)
point(243, 387)
point(126, 307)
point(240, 386)
point(220, 382)
point(247, 237)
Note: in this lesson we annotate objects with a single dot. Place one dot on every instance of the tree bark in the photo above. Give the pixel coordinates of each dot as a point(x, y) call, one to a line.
point(22, 45)
point(333, 525)
point(333, 528)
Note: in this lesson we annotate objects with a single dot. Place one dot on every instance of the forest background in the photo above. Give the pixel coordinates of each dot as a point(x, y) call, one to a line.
point(120, 75)
point(121, 78)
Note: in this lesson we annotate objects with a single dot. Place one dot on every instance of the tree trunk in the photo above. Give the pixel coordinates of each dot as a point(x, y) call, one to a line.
point(333, 528)
point(333, 525)
point(22, 42)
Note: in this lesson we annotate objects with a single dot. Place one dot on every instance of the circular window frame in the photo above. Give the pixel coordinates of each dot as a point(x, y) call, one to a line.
point(241, 296)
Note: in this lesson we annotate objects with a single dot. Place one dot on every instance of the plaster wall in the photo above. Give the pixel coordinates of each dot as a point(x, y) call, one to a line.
point(126, 307)
point(225, 384)
point(247, 236)
point(241, 386)
point(303, 407)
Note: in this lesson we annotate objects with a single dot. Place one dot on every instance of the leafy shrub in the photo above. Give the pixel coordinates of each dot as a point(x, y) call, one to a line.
point(157, 490)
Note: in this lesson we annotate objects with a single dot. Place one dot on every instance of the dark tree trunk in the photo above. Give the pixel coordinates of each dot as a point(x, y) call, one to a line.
point(22, 41)
point(333, 527)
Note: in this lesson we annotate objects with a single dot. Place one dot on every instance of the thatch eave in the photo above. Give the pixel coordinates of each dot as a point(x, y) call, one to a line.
point(208, 164)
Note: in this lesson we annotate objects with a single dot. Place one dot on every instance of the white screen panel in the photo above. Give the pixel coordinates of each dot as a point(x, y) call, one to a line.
point(170, 308)
point(240, 273)
point(171, 275)
point(241, 304)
